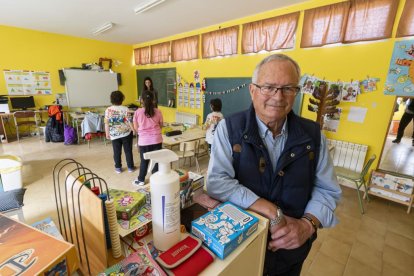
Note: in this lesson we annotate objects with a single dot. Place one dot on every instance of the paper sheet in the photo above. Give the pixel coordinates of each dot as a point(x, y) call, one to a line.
point(357, 114)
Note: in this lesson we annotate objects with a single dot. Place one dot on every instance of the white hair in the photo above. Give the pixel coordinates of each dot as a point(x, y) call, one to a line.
point(279, 57)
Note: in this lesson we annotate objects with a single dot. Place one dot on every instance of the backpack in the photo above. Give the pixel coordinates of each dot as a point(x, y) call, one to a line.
point(70, 135)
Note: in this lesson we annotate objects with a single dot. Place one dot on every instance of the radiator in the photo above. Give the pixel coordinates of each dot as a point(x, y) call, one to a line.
point(186, 118)
point(348, 155)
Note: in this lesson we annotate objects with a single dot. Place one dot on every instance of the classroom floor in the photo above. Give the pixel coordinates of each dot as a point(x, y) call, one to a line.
point(381, 242)
point(398, 157)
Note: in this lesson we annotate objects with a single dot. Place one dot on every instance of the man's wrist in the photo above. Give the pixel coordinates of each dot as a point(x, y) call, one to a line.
point(310, 221)
point(277, 219)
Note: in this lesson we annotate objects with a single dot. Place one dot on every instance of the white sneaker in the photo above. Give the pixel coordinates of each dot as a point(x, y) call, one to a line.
point(138, 183)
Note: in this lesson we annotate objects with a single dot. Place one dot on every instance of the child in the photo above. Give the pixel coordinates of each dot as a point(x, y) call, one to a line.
point(119, 129)
point(212, 120)
point(148, 123)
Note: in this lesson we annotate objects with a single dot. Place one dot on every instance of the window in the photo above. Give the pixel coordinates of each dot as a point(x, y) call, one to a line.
point(324, 25)
point(406, 25)
point(220, 43)
point(370, 20)
point(142, 55)
point(270, 34)
point(160, 52)
point(185, 49)
point(349, 21)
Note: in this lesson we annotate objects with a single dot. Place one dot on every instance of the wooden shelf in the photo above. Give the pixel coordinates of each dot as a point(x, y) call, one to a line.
point(408, 203)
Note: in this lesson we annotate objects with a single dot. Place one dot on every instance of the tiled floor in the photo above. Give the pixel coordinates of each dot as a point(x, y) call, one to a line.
point(381, 242)
point(398, 157)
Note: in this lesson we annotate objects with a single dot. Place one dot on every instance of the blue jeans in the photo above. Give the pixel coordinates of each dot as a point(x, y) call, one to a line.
point(144, 163)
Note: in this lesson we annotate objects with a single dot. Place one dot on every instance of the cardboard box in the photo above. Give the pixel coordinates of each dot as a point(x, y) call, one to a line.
point(25, 250)
point(127, 203)
point(198, 182)
point(194, 186)
point(224, 228)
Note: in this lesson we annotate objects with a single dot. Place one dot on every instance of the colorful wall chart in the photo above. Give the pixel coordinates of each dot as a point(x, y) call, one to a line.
point(20, 82)
point(401, 72)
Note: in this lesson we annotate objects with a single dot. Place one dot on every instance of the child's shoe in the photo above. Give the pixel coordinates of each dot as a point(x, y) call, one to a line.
point(118, 170)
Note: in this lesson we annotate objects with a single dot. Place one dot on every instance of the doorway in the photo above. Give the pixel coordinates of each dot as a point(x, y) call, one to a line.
point(398, 157)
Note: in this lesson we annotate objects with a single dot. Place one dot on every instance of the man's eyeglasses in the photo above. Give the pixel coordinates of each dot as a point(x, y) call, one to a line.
point(272, 90)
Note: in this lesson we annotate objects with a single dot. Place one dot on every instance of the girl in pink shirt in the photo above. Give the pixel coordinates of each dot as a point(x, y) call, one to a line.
point(148, 122)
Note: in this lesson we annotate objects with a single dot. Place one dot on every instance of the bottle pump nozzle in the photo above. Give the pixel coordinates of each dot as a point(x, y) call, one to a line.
point(163, 157)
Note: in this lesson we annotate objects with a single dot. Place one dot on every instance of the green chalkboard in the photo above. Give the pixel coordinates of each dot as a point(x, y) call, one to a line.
point(163, 81)
point(234, 95)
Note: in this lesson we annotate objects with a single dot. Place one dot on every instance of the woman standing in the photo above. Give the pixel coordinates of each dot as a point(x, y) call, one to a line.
point(119, 129)
point(148, 123)
point(148, 86)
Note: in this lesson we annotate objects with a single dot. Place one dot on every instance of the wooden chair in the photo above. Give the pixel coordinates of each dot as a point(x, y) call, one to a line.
point(188, 150)
point(357, 178)
point(25, 119)
point(202, 149)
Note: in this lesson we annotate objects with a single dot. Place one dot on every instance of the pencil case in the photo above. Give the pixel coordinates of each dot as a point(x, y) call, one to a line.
point(188, 257)
point(173, 133)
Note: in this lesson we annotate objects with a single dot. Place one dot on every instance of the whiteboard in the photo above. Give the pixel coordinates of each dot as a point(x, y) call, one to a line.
point(87, 88)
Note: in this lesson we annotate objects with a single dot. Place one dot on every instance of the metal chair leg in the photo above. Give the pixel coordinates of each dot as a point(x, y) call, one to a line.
point(359, 197)
point(366, 191)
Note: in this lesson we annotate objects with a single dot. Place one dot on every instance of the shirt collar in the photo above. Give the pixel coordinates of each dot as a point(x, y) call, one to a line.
point(264, 130)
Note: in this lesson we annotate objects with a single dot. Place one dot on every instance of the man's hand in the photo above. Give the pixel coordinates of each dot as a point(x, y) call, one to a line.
point(290, 235)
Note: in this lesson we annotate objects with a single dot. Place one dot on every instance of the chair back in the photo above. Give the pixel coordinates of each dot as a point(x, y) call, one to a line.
point(29, 115)
point(189, 146)
point(202, 148)
point(367, 166)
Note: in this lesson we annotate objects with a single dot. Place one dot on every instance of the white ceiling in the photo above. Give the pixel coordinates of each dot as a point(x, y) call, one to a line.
point(81, 17)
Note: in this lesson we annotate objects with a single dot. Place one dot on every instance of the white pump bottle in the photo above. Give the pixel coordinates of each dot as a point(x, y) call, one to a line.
point(165, 200)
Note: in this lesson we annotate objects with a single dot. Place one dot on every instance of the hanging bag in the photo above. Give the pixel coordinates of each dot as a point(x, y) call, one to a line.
point(70, 135)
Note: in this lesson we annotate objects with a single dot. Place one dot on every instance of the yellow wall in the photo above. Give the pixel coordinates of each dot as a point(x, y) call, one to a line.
point(344, 62)
point(23, 49)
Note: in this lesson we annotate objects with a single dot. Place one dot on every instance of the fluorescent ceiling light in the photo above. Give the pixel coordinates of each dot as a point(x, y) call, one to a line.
point(146, 5)
point(103, 28)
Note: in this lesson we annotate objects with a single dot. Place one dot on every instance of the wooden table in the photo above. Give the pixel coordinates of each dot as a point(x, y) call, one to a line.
point(7, 128)
point(77, 117)
point(188, 135)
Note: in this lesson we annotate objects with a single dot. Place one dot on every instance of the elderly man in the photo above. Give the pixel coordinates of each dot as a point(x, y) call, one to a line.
point(277, 164)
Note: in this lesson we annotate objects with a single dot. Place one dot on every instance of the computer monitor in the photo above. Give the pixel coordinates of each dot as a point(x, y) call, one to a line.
point(22, 102)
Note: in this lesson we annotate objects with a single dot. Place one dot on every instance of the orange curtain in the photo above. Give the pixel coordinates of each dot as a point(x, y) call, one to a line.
point(370, 20)
point(142, 55)
point(220, 43)
point(324, 25)
point(406, 25)
point(185, 48)
point(270, 34)
point(160, 52)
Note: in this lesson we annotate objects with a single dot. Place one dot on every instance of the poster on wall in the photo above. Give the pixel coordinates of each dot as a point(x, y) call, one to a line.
point(400, 78)
point(20, 82)
point(331, 121)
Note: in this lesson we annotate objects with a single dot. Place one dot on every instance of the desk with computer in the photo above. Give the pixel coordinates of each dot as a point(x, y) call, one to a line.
point(22, 113)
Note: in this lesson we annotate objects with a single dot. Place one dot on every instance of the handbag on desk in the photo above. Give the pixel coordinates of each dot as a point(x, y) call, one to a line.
point(173, 133)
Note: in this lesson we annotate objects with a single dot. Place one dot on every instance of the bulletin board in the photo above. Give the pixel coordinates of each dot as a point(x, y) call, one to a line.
point(233, 96)
point(163, 80)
